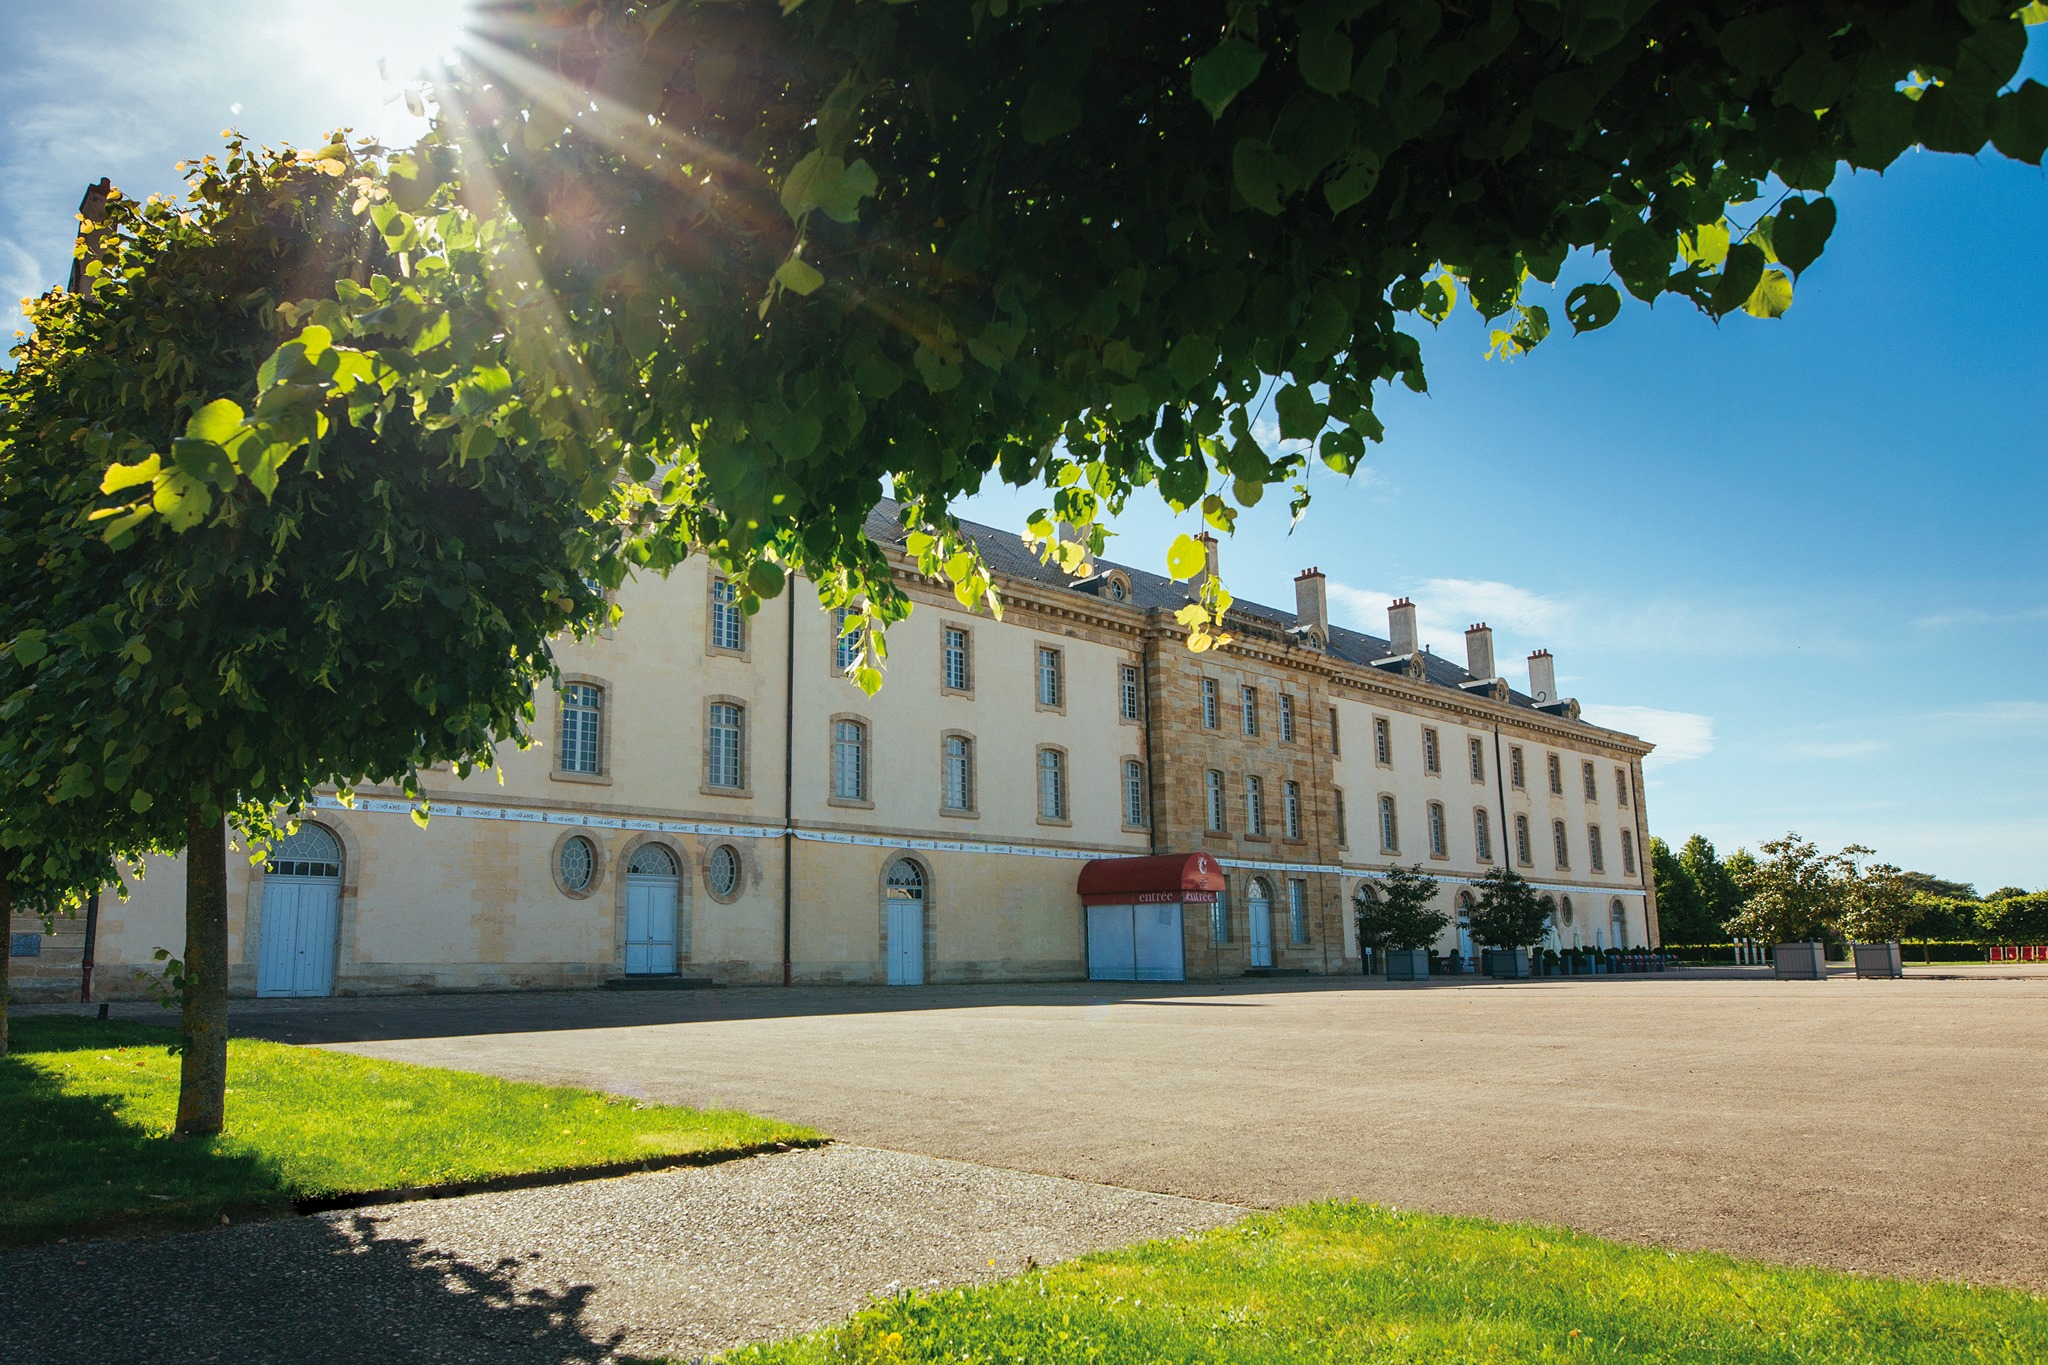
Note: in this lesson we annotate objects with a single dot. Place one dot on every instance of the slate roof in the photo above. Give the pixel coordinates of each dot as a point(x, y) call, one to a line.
point(1006, 553)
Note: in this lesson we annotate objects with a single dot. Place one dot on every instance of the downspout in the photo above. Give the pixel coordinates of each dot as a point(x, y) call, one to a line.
point(788, 783)
point(1653, 927)
point(1500, 784)
point(92, 930)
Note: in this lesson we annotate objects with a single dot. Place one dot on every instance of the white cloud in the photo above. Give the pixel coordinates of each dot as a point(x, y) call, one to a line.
point(2026, 715)
point(20, 278)
point(1678, 735)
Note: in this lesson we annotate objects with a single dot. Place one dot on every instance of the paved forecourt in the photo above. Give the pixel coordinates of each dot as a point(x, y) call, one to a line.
point(1887, 1126)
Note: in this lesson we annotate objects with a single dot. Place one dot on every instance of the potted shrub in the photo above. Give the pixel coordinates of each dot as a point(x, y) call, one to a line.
point(1510, 916)
point(1395, 919)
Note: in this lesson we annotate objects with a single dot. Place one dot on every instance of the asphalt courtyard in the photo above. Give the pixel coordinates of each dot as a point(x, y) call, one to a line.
point(1884, 1126)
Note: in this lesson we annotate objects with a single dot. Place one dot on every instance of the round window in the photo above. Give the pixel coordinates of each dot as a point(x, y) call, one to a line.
point(1566, 907)
point(725, 871)
point(579, 863)
point(1116, 589)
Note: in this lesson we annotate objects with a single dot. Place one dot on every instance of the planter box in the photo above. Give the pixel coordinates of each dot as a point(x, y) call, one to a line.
point(1407, 964)
point(1877, 959)
point(1800, 962)
point(1507, 963)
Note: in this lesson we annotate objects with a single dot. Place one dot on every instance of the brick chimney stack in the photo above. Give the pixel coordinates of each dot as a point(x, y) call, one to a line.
point(1401, 626)
point(1209, 550)
point(1542, 676)
point(1311, 603)
point(1479, 651)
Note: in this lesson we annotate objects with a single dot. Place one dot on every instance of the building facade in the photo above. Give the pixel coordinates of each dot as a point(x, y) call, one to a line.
point(711, 798)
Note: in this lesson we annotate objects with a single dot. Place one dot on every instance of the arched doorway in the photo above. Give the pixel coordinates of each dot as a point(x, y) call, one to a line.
point(301, 915)
point(1465, 904)
point(653, 884)
point(1617, 918)
point(903, 923)
point(1259, 907)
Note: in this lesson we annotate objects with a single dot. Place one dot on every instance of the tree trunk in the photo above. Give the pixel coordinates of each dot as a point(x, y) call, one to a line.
point(6, 948)
point(203, 1072)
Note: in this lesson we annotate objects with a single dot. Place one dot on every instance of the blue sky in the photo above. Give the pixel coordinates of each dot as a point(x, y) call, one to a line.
point(1807, 556)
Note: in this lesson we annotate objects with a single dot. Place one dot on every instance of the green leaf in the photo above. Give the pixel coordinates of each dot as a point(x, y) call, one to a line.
point(1247, 492)
point(1256, 169)
point(938, 376)
point(1801, 230)
point(28, 647)
point(798, 276)
point(141, 801)
point(2020, 126)
point(1192, 361)
point(1772, 296)
point(129, 475)
point(828, 183)
point(1326, 62)
point(1301, 416)
point(1050, 111)
point(1225, 71)
point(433, 334)
point(217, 421)
point(765, 579)
point(1342, 450)
point(1185, 557)
point(1592, 306)
point(1356, 177)
point(1739, 276)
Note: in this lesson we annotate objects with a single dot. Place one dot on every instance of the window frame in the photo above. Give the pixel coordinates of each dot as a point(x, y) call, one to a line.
point(1291, 822)
point(1525, 845)
point(1621, 786)
point(1390, 824)
point(1337, 810)
point(1382, 742)
point(1212, 704)
point(1130, 693)
point(727, 609)
point(1439, 834)
point(1215, 812)
point(1134, 815)
point(1482, 835)
point(1589, 776)
point(1248, 710)
point(1336, 746)
point(845, 651)
point(743, 756)
point(1628, 853)
point(1288, 726)
point(1518, 770)
point(863, 797)
point(1561, 845)
point(1432, 751)
point(947, 630)
point(1297, 912)
point(1553, 769)
point(970, 779)
point(1254, 806)
point(600, 771)
point(1475, 749)
point(1058, 673)
point(1063, 792)
point(1596, 855)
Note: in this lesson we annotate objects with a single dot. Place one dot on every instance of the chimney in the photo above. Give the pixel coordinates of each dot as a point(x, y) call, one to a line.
point(1542, 676)
point(1479, 651)
point(1311, 605)
point(1209, 549)
point(1401, 626)
point(92, 210)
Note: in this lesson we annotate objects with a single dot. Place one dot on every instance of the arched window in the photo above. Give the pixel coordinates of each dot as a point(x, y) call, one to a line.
point(958, 761)
point(1556, 775)
point(1617, 918)
point(1214, 784)
point(849, 760)
point(1052, 784)
point(1477, 754)
point(1522, 851)
point(1291, 792)
point(726, 745)
point(582, 727)
point(1596, 856)
point(1254, 806)
point(651, 860)
point(308, 851)
point(1134, 792)
point(578, 863)
point(1482, 835)
point(1439, 843)
point(1559, 846)
point(954, 674)
point(1628, 854)
point(845, 643)
point(1564, 912)
point(728, 622)
point(1390, 832)
point(722, 872)
point(906, 881)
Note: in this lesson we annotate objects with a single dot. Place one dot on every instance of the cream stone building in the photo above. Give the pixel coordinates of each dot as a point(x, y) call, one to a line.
point(713, 801)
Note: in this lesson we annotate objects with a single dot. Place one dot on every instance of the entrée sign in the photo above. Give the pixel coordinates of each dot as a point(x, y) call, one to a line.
point(1174, 897)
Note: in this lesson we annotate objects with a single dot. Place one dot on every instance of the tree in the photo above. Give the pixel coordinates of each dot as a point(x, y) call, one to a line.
point(2016, 919)
point(1795, 893)
point(1510, 913)
point(1720, 895)
point(1680, 911)
point(761, 257)
point(1877, 905)
point(384, 604)
point(2006, 893)
point(1397, 911)
point(1927, 884)
point(48, 880)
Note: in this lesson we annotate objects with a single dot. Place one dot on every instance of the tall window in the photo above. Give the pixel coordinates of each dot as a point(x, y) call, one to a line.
point(958, 761)
point(1210, 719)
point(582, 727)
point(1628, 854)
point(1050, 684)
point(849, 760)
point(1382, 742)
point(728, 730)
point(1134, 792)
point(1515, 776)
point(1286, 718)
point(1127, 691)
point(1219, 919)
point(728, 622)
point(1290, 793)
point(1477, 754)
point(1439, 840)
point(845, 646)
point(1596, 857)
point(1482, 835)
point(1523, 853)
point(1297, 911)
point(1337, 809)
point(1432, 757)
point(1335, 751)
point(955, 674)
point(1214, 796)
point(1052, 784)
point(1556, 775)
point(1592, 787)
point(1248, 708)
point(1254, 806)
point(1390, 834)
point(1621, 787)
point(1559, 845)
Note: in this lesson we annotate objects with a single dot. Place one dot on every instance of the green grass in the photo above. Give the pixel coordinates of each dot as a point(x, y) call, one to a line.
point(86, 1110)
point(1350, 1282)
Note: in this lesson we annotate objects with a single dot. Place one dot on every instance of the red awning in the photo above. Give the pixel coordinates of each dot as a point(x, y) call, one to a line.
point(1173, 876)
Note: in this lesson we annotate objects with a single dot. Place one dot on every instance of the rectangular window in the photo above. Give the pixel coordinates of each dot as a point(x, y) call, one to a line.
point(1515, 776)
point(1254, 806)
point(1127, 691)
point(1052, 784)
point(1556, 774)
point(1596, 856)
point(1628, 854)
point(1291, 794)
point(1523, 854)
point(1335, 752)
point(1337, 809)
point(1219, 918)
point(1592, 786)
point(728, 729)
point(845, 645)
point(849, 760)
point(1382, 742)
point(1621, 787)
point(1051, 686)
point(1559, 846)
point(958, 752)
point(1134, 792)
point(1439, 846)
point(1432, 759)
point(955, 675)
point(582, 728)
point(1286, 718)
point(1390, 834)
point(1482, 835)
point(1214, 796)
point(728, 622)
point(1210, 719)
point(1477, 753)
point(1297, 912)
point(1248, 707)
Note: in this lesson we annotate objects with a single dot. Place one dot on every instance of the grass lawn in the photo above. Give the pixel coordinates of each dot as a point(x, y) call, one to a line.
point(1350, 1282)
point(86, 1110)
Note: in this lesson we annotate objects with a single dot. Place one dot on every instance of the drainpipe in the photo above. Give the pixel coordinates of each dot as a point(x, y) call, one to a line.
point(788, 781)
point(1500, 783)
point(92, 932)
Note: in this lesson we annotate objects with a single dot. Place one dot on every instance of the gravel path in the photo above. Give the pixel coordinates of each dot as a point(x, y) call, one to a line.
point(679, 1263)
